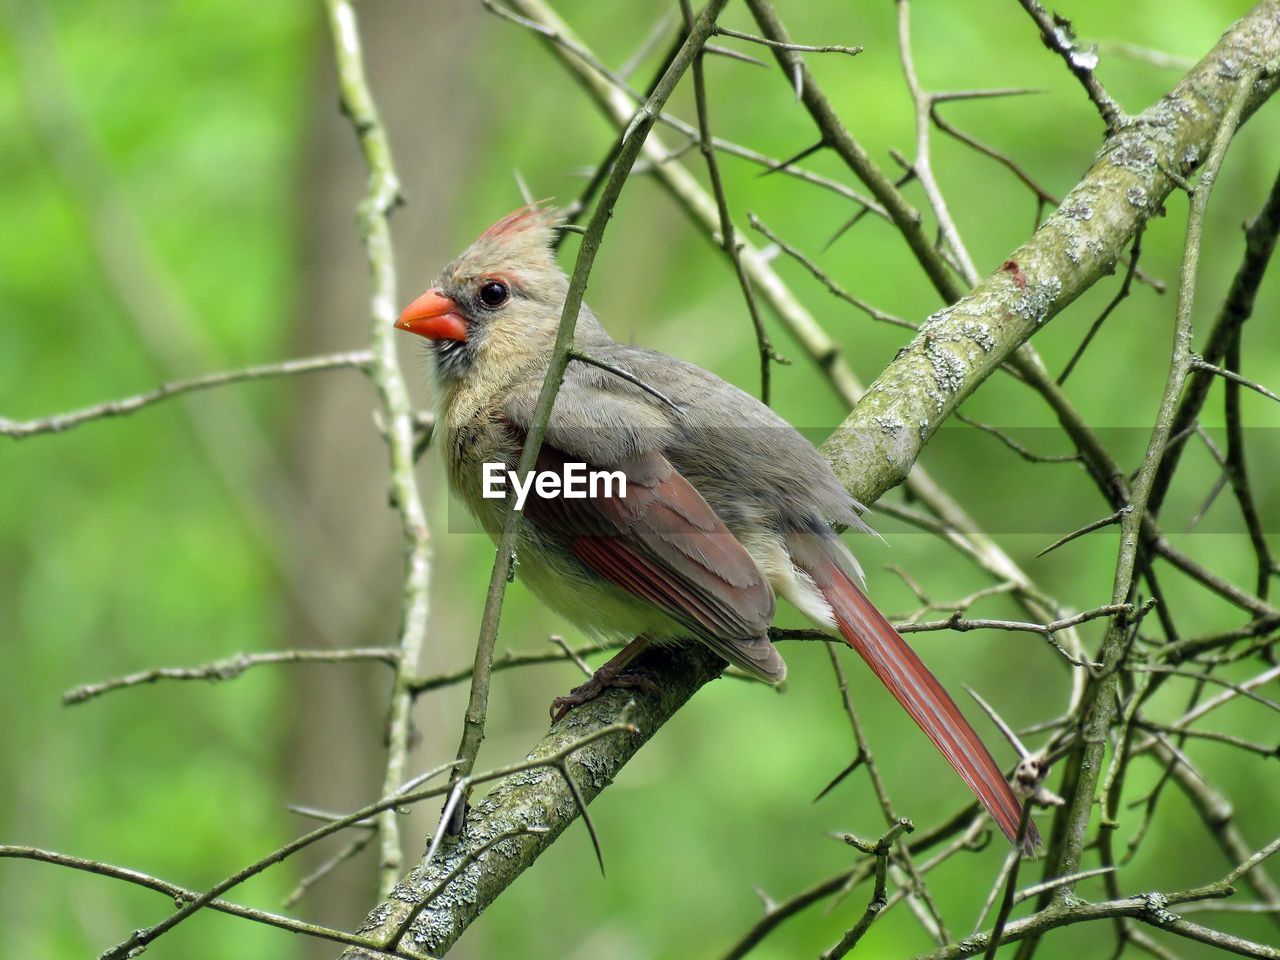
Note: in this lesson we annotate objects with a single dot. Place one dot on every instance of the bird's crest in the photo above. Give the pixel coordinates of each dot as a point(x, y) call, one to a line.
point(532, 216)
point(520, 240)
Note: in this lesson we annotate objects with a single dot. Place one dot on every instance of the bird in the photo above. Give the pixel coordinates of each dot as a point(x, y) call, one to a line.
point(725, 505)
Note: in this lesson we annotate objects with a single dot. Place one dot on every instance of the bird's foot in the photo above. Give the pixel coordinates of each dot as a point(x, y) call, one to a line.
point(600, 681)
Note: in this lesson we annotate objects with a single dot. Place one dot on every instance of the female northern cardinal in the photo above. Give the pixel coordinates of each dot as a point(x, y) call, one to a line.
point(724, 504)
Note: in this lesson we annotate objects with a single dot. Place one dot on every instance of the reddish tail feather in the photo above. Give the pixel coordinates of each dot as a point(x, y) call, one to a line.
point(901, 670)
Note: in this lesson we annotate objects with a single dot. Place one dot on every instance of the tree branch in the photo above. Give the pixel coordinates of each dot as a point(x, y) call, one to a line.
point(728, 235)
point(1260, 235)
point(1070, 826)
point(533, 798)
point(182, 894)
point(879, 896)
point(20, 429)
point(398, 420)
point(229, 668)
point(960, 345)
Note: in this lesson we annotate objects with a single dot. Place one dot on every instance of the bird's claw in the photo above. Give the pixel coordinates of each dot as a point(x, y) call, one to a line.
point(597, 685)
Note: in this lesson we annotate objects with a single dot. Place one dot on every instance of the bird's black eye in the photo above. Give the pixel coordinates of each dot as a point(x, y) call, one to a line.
point(494, 294)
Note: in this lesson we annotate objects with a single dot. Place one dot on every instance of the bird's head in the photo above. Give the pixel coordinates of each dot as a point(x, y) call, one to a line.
point(499, 300)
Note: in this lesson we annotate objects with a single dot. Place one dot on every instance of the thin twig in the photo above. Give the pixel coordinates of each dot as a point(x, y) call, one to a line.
point(352, 849)
point(1011, 883)
point(1026, 893)
point(728, 235)
point(1240, 689)
point(778, 45)
point(1002, 725)
point(581, 803)
point(633, 140)
point(1044, 197)
point(1199, 363)
point(775, 914)
point(1260, 236)
point(998, 884)
point(648, 45)
point(836, 290)
point(729, 53)
point(20, 429)
point(505, 661)
point(963, 624)
point(179, 894)
point(228, 668)
point(1027, 455)
point(1157, 58)
point(569, 653)
point(1081, 531)
point(880, 850)
point(1227, 696)
point(631, 378)
point(1059, 38)
point(929, 908)
point(324, 816)
point(1262, 750)
point(1237, 470)
point(922, 165)
point(1134, 253)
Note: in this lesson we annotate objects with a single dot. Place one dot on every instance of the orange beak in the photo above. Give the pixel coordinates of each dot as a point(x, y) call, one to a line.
point(434, 316)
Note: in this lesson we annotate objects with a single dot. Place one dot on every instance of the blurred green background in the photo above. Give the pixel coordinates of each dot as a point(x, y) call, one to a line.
point(177, 191)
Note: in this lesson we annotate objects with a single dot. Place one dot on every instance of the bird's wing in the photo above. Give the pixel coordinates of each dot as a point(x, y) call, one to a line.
point(659, 541)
